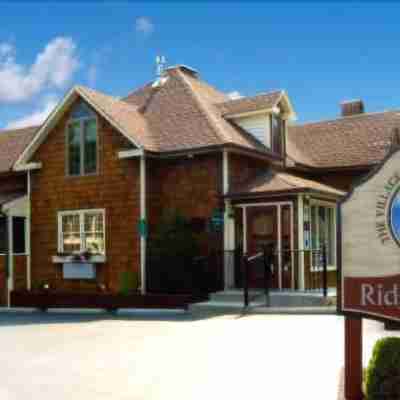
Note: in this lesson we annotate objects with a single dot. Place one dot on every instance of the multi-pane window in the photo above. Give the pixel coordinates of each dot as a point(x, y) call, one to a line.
point(81, 231)
point(323, 230)
point(82, 141)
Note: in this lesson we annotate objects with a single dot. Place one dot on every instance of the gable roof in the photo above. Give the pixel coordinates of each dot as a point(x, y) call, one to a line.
point(358, 140)
point(281, 182)
point(122, 116)
point(183, 113)
point(250, 104)
point(12, 143)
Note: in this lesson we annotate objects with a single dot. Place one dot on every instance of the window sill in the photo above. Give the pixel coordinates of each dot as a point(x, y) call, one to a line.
point(71, 259)
point(329, 268)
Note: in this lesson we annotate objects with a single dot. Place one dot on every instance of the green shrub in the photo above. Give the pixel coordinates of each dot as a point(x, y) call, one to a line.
point(383, 373)
point(128, 282)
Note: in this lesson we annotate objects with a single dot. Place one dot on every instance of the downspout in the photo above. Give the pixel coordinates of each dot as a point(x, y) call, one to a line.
point(143, 223)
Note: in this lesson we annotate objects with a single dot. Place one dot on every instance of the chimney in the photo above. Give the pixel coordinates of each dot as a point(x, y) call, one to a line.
point(352, 107)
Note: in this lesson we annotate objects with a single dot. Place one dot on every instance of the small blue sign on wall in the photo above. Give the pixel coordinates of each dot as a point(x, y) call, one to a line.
point(217, 221)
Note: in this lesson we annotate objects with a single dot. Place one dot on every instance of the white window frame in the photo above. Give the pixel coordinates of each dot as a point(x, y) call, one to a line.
point(81, 214)
point(81, 121)
point(332, 206)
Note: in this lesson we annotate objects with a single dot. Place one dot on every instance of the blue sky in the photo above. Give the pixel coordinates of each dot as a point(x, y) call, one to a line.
point(320, 54)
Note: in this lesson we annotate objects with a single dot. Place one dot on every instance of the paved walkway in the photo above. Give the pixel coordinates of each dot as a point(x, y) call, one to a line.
point(172, 357)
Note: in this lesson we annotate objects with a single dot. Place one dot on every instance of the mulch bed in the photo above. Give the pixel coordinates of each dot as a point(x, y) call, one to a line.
point(109, 301)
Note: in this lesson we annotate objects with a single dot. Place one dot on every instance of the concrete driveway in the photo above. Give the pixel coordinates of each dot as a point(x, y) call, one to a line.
point(51, 357)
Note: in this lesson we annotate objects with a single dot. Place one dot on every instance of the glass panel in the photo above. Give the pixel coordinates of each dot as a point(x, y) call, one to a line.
point(3, 235)
point(90, 146)
point(82, 110)
point(74, 148)
point(94, 232)
point(19, 235)
point(322, 228)
point(286, 232)
point(331, 237)
point(71, 238)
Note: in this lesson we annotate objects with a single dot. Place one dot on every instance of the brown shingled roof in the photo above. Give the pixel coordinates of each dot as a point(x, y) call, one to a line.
point(12, 143)
point(124, 115)
point(182, 114)
point(250, 104)
point(280, 182)
point(358, 140)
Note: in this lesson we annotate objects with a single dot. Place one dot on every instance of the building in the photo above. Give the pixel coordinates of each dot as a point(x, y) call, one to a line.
point(100, 172)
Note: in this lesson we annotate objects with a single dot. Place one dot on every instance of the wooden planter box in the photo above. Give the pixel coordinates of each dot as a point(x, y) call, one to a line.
point(109, 301)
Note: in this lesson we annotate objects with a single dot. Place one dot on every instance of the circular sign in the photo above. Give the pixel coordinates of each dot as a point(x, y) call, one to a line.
point(394, 216)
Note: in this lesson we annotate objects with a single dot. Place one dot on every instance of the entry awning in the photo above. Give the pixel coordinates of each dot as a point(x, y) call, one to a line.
point(16, 201)
point(281, 183)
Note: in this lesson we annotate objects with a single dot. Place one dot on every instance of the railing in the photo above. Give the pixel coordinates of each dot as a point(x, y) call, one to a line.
point(315, 271)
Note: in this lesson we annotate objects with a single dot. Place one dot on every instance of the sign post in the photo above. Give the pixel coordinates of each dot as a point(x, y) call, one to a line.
point(369, 260)
point(353, 358)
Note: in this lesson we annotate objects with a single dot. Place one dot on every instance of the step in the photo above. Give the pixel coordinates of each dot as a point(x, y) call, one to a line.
point(234, 295)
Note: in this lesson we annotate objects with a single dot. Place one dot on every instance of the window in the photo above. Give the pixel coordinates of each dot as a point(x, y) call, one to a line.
point(18, 235)
point(323, 231)
point(82, 141)
point(277, 125)
point(80, 231)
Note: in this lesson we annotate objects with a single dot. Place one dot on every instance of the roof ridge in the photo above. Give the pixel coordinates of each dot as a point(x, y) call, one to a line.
point(252, 97)
point(279, 175)
point(18, 130)
point(349, 117)
point(210, 118)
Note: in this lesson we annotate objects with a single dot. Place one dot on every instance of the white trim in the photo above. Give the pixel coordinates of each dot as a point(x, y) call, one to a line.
point(300, 223)
point(81, 214)
point(265, 111)
point(130, 153)
point(28, 167)
point(325, 204)
point(143, 218)
point(263, 204)
point(55, 116)
point(68, 259)
point(225, 172)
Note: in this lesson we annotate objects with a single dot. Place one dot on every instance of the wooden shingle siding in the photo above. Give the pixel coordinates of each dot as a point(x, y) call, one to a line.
point(115, 189)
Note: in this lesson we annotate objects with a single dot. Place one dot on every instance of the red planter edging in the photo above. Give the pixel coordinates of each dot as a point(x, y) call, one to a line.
point(100, 300)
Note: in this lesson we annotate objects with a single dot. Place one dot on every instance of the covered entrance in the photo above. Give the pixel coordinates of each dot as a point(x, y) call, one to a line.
point(295, 217)
point(270, 225)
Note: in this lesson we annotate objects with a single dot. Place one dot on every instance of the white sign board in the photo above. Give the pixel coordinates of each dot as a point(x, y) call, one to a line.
point(370, 235)
point(79, 271)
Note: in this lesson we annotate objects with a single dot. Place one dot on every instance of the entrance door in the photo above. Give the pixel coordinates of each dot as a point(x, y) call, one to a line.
point(262, 230)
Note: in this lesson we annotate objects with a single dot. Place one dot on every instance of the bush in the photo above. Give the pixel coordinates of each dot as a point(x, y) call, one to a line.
point(128, 282)
point(172, 248)
point(383, 373)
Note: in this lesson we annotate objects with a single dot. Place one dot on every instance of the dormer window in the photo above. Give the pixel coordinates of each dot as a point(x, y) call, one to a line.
point(81, 141)
point(277, 131)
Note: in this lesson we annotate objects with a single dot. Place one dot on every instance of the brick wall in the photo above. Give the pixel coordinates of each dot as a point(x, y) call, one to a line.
point(115, 188)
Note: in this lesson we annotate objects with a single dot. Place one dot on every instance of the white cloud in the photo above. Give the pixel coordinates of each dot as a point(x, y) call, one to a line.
point(53, 68)
point(35, 118)
point(144, 25)
point(234, 95)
